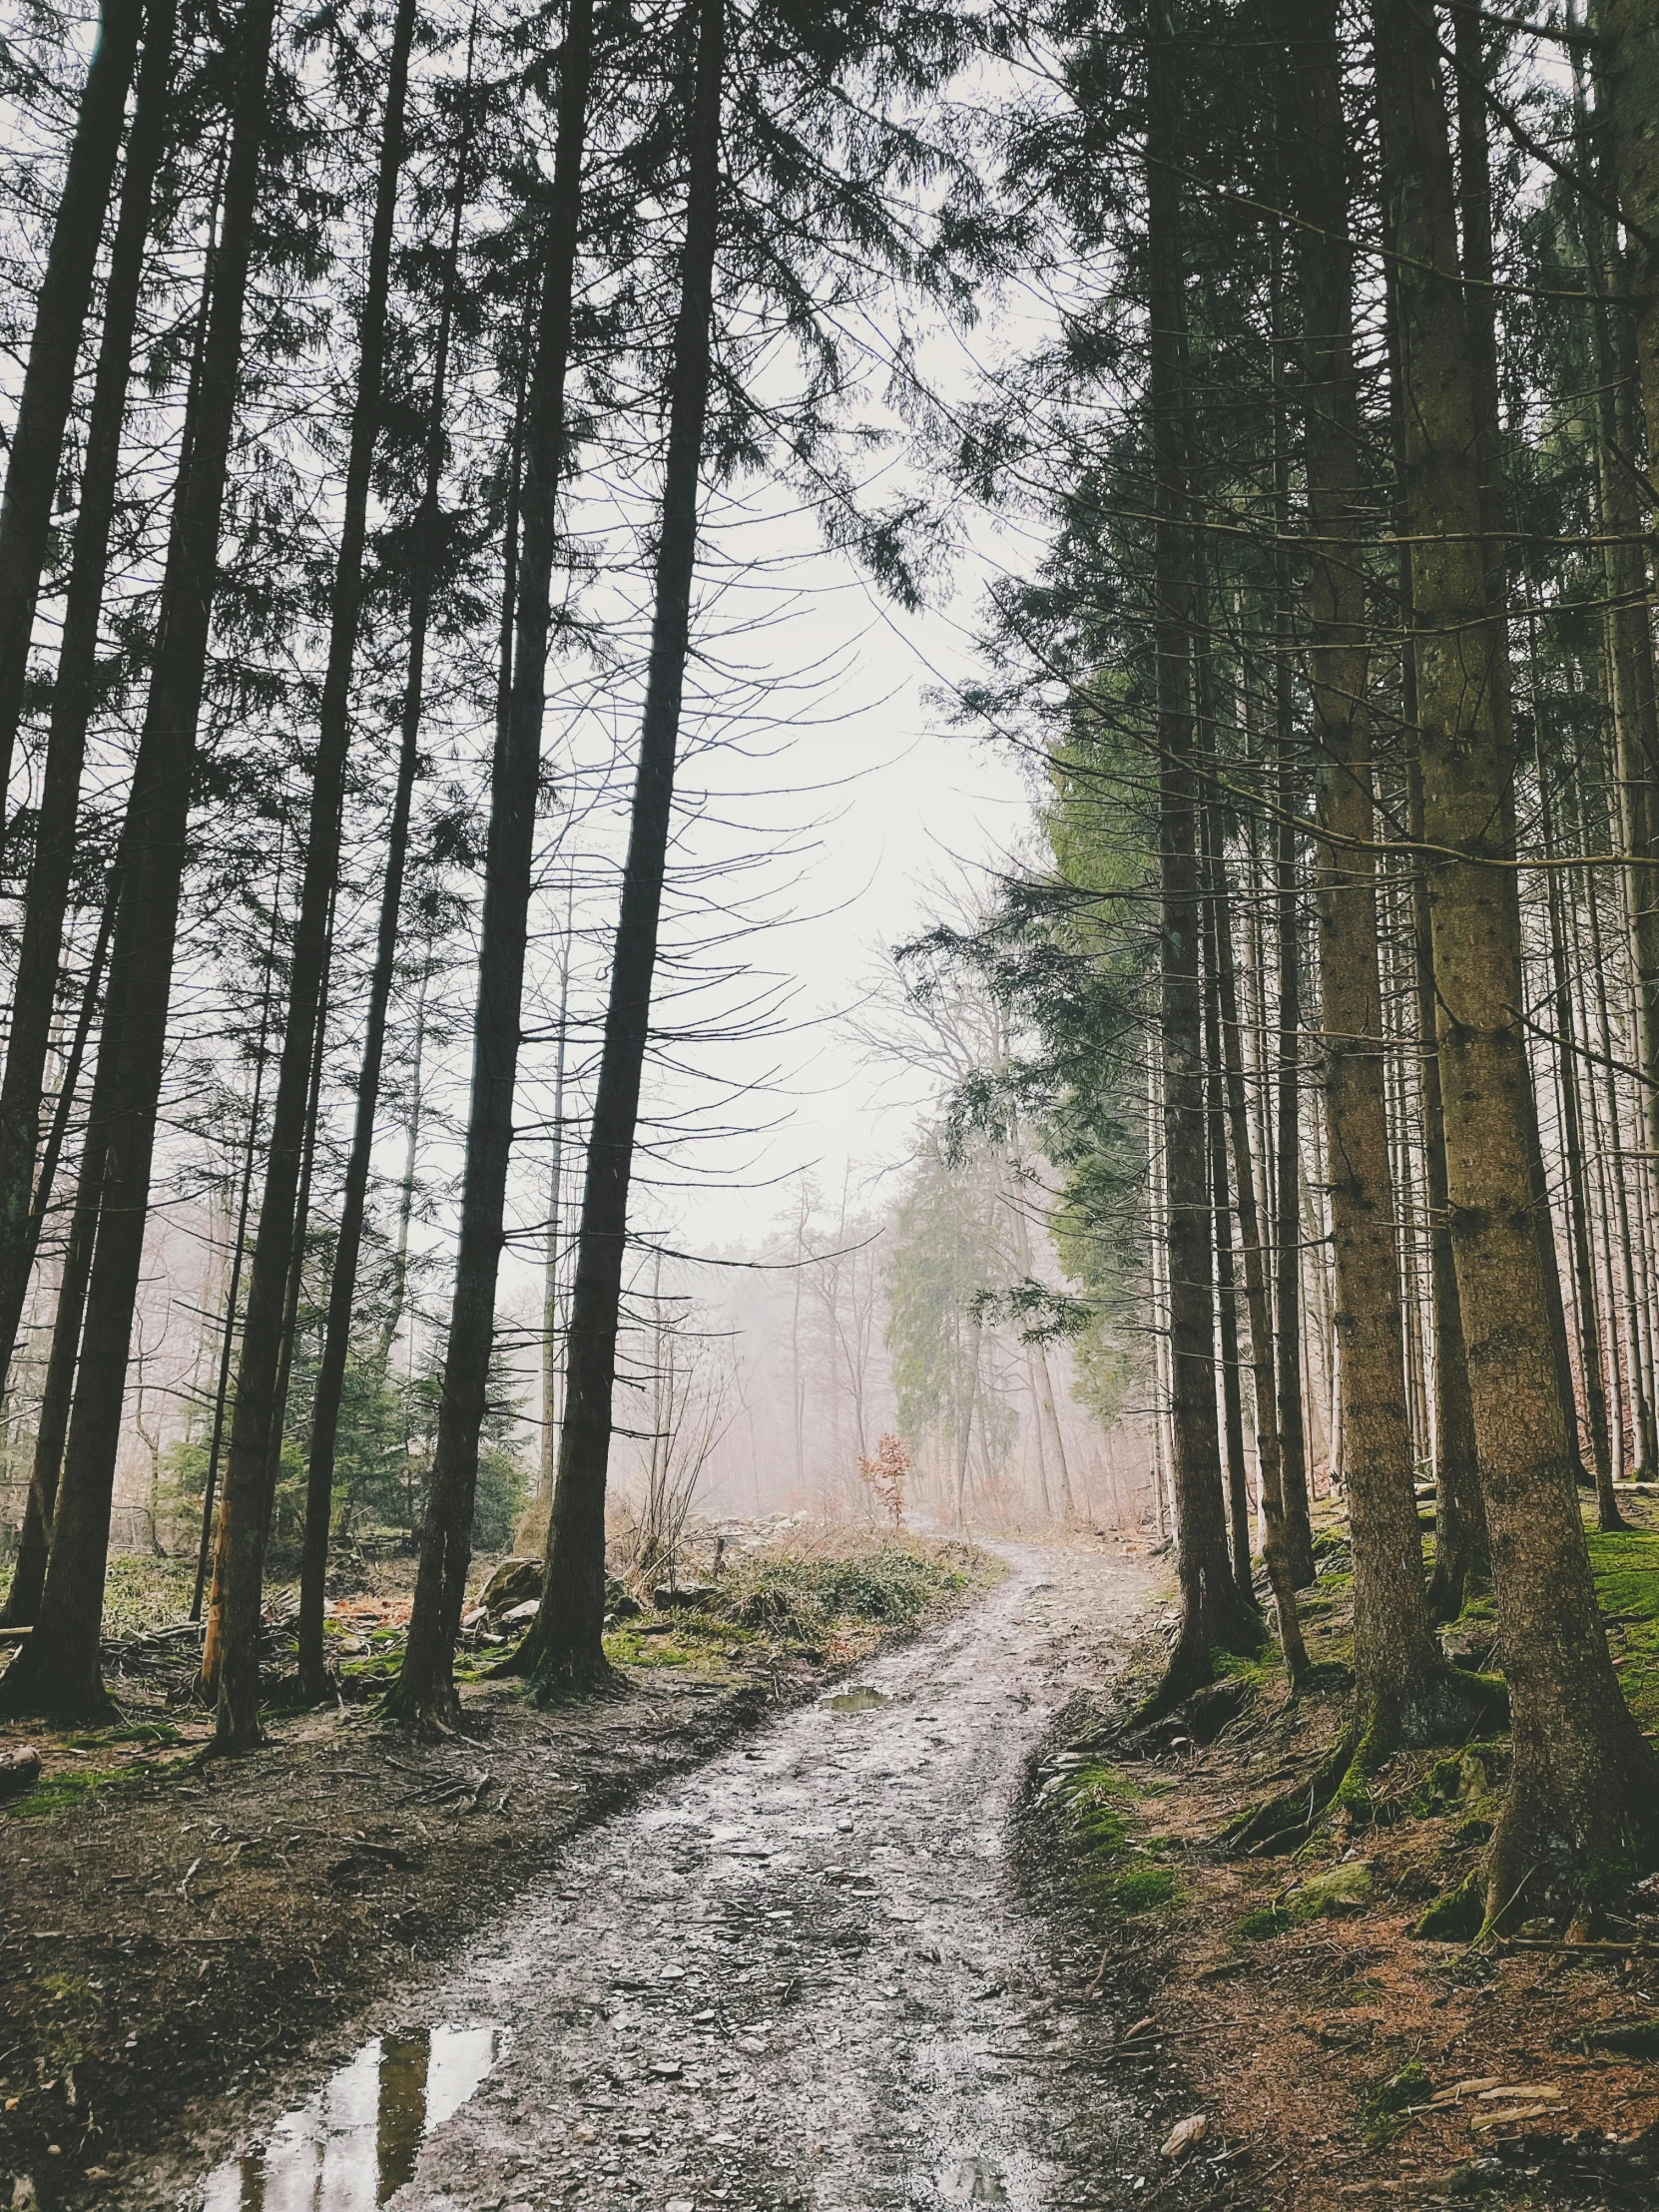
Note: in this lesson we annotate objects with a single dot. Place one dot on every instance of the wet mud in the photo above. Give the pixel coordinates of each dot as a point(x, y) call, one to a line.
point(813, 1973)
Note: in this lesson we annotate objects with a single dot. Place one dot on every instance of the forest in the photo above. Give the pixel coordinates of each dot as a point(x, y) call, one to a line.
point(503, 1237)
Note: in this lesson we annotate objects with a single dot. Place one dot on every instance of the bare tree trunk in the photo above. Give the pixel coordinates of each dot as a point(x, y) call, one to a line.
point(1585, 1786)
point(1572, 1150)
point(54, 347)
point(233, 1299)
point(58, 1671)
point(337, 1342)
point(253, 1419)
point(1227, 1304)
point(1254, 1255)
point(551, 1254)
point(46, 898)
point(412, 1133)
point(1460, 1544)
point(1293, 1446)
point(29, 1574)
point(1213, 1614)
point(426, 1686)
point(1405, 1690)
point(564, 1646)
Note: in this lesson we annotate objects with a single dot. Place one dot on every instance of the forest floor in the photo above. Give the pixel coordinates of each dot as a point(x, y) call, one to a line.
point(173, 1930)
point(1361, 2063)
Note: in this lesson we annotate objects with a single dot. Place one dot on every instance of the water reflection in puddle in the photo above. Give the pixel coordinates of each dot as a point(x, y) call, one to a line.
point(858, 1701)
point(355, 2143)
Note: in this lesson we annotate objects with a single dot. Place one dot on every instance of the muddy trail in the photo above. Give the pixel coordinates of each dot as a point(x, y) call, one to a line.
point(817, 1971)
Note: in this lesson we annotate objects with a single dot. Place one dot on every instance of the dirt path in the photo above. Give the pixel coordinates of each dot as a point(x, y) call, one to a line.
point(810, 1974)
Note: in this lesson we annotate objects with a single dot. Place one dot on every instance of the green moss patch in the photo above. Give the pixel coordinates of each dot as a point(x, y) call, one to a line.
point(67, 1786)
point(1386, 2106)
point(1335, 1893)
point(1119, 1866)
point(1626, 1567)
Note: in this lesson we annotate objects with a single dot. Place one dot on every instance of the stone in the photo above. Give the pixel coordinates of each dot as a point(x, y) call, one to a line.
point(513, 1582)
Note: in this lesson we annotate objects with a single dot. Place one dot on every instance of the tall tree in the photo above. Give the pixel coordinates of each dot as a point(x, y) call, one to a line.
point(54, 346)
point(57, 1670)
point(336, 1344)
point(1585, 1786)
point(1405, 1690)
point(425, 1688)
point(241, 1529)
point(1213, 1613)
point(564, 1645)
point(46, 898)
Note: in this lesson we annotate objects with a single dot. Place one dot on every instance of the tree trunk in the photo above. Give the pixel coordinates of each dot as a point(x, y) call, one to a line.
point(1475, 208)
point(1227, 1298)
point(1212, 1612)
point(425, 1689)
point(29, 1574)
point(1573, 1151)
point(1254, 1255)
point(1585, 1787)
point(206, 1548)
point(54, 347)
point(1405, 1690)
point(58, 1672)
point(1293, 1446)
point(411, 1139)
point(550, 1247)
point(1630, 660)
point(336, 1343)
point(564, 1646)
point(46, 898)
point(242, 1522)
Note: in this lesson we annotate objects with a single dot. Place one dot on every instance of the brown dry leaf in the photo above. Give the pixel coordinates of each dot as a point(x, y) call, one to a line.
point(1507, 2120)
point(1185, 2133)
point(1526, 2093)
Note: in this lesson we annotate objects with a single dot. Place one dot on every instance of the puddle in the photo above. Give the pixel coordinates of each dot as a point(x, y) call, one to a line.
point(858, 1701)
point(356, 2142)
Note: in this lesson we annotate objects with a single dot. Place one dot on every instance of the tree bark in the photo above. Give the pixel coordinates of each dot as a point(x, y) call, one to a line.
point(1213, 1614)
point(1572, 1155)
point(242, 1522)
point(1293, 1446)
point(1629, 636)
point(1461, 1544)
point(1474, 208)
point(564, 1647)
point(1257, 1311)
point(1227, 1308)
point(46, 897)
point(336, 1344)
point(425, 1689)
point(1406, 1692)
point(1584, 1793)
point(206, 1548)
point(58, 1671)
point(29, 1574)
point(54, 347)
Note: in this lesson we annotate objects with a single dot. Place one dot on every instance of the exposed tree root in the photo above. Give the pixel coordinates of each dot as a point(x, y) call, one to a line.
point(1451, 1708)
point(570, 1674)
point(1566, 1855)
point(1236, 1627)
point(436, 1710)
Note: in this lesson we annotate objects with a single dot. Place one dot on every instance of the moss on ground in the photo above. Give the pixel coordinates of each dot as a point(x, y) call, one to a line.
point(1386, 2106)
point(1626, 1566)
point(65, 1789)
point(1117, 1864)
